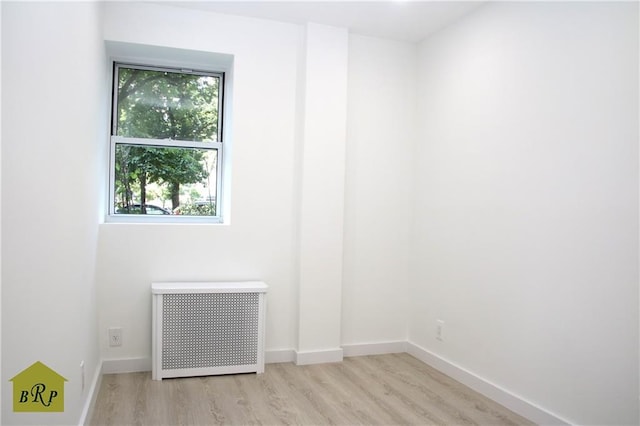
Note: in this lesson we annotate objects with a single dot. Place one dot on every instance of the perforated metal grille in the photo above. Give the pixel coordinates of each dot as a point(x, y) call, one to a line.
point(209, 330)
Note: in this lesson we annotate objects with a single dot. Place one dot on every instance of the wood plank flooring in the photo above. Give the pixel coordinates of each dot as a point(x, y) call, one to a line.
point(394, 389)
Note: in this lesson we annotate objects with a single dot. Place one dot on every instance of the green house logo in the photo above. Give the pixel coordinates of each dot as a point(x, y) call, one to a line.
point(38, 389)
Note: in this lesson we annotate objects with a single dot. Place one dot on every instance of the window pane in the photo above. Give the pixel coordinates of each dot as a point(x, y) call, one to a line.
point(167, 105)
point(165, 180)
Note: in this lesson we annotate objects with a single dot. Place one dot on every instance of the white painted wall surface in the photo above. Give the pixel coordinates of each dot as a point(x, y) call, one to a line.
point(322, 188)
point(378, 189)
point(526, 204)
point(517, 207)
point(258, 243)
point(54, 120)
point(0, 214)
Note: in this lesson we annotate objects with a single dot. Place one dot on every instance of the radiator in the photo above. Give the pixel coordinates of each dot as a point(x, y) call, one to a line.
point(201, 329)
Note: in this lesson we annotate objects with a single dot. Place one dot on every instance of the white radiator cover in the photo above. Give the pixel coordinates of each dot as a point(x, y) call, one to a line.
point(207, 328)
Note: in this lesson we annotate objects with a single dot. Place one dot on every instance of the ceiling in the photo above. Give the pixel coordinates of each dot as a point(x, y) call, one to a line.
point(398, 20)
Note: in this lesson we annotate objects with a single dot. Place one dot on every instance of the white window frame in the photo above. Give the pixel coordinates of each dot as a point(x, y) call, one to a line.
point(115, 140)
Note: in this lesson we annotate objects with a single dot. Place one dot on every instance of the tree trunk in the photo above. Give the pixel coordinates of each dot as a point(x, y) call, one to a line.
point(143, 193)
point(175, 195)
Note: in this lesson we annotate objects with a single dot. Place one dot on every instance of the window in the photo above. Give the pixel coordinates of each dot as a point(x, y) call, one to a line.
point(166, 143)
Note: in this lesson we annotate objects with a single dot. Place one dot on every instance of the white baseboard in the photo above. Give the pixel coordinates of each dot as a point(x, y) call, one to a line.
point(126, 365)
point(502, 396)
point(134, 365)
point(319, 357)
point(92, 396)
point(363, 349)
point(284, 355)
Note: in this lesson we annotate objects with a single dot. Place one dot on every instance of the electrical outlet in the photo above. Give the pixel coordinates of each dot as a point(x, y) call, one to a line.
point(115, 336)
point(439, 330)
point(82, 374)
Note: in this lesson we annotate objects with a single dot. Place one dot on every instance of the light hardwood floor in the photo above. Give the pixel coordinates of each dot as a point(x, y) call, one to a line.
point(394, 389)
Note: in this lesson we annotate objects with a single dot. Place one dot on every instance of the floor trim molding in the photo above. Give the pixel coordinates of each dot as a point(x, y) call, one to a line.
point(92, 396)
point(492, 391)
point(275, 357)
point(381, 348)
point(319, 357)
point(126, 365)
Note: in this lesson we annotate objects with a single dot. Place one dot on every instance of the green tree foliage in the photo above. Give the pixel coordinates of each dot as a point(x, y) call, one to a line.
point(207, 209)
point(163, 105)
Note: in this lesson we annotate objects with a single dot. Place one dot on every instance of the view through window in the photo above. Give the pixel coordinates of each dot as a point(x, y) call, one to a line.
point(166, 143)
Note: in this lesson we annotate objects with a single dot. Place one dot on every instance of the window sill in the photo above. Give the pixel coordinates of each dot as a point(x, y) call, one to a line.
point(162, 219)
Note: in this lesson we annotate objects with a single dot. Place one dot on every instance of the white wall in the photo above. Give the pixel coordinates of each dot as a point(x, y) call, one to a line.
point(378, 188)
point(54, 120)
point(280, 207)
point(259, 241)
point(322, 145)
point(0, 211)
point(512, 217)
point(526, 204)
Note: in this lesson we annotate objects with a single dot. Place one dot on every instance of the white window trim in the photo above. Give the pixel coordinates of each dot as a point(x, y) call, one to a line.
point(114, 140)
